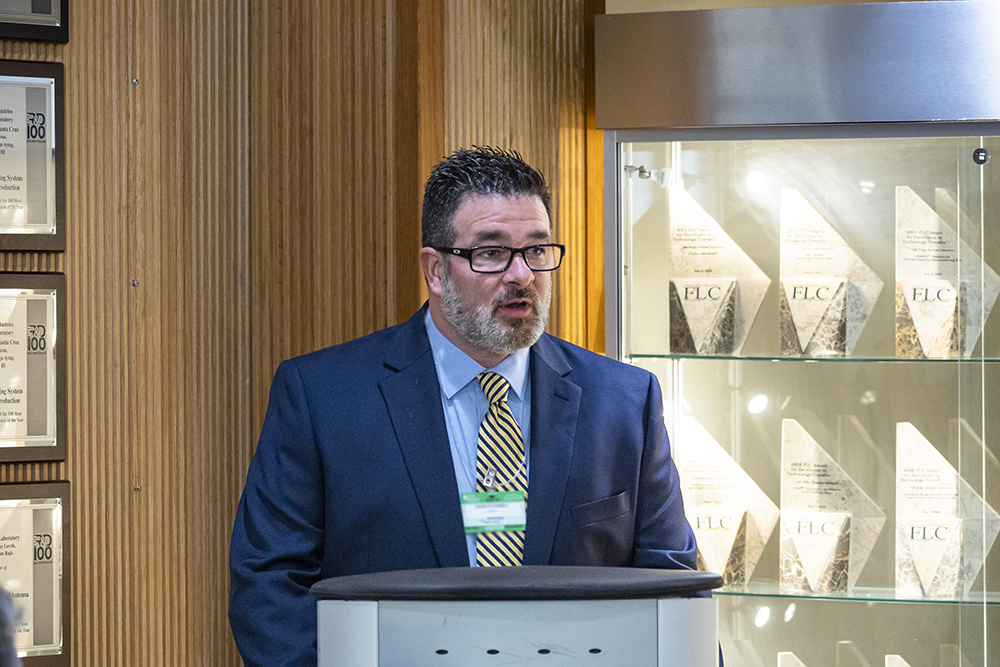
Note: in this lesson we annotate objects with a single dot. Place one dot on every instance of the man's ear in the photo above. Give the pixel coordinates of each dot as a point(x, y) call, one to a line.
point(432, 264)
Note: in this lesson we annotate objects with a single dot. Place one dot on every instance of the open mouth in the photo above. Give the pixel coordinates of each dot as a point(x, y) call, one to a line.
point(516, 305)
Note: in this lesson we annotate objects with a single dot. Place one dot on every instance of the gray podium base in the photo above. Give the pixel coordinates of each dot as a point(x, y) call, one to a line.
point(636, 633)
point(532, 615)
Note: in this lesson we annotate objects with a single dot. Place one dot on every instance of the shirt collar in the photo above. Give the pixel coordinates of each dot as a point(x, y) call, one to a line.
point(456, 369)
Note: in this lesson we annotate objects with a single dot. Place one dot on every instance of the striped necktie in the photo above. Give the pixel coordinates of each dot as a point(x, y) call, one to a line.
point(499, 467)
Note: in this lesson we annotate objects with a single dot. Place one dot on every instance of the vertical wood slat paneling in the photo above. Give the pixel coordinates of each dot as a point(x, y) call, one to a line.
point(594, 191)
point(158, 370)
point(417, 110)
point(189, 252)
point(97, 169)
point(323, 153)
point(91, 405)
point(514, 77)
point(260, 218)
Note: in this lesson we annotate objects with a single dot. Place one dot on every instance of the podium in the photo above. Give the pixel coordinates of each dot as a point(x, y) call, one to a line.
point(533, 615)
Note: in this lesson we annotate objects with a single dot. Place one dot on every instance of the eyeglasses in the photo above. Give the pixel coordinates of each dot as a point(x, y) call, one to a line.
point(498, 258)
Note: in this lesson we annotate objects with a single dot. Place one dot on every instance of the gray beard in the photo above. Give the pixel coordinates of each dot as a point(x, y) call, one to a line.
point(479, 326)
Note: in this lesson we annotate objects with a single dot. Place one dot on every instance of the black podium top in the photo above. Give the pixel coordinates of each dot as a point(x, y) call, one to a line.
point(530, 582)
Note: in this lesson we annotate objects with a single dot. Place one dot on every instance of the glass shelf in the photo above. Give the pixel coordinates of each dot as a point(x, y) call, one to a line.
point(860, 594)
point(893, 360)
point(857, 187)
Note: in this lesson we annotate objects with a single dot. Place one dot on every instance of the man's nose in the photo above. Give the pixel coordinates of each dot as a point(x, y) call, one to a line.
point(518, 272)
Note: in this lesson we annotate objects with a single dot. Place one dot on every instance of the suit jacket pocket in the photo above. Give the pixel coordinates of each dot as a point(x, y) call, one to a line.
point(600, 510)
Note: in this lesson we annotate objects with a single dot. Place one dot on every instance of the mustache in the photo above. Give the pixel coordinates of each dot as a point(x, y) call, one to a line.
point(517, 293)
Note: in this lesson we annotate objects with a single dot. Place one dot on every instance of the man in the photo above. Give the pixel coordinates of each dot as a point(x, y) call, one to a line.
point(368, 448)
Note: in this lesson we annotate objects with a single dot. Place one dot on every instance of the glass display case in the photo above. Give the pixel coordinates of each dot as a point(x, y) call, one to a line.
point(849, 401)
point(814, 294)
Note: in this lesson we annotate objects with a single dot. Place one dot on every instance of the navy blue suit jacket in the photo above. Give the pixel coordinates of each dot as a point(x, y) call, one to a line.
point(353, 474)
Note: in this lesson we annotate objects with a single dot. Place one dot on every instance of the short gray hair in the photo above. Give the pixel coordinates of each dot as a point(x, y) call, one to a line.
point(481, 170)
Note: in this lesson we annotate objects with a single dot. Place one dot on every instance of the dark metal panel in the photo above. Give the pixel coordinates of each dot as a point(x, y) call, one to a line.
point(862, 63)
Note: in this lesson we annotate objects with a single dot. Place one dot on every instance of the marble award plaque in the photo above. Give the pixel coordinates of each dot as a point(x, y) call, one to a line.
point(948, 655)
point(789, 659)
point(715, 288)
point(826, 291)
point(731, 517)
point(941, 537)
point(31, 566)
point(944, 291)
point(828, 524)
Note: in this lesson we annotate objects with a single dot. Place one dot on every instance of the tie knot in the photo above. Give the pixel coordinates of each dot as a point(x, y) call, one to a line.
point(494, 386)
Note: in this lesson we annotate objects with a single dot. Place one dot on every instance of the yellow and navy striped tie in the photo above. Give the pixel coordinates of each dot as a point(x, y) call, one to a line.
point(501, 448)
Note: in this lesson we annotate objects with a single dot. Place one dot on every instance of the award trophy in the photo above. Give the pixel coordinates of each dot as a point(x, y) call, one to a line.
point(715, 288)
point(826, 291)
point(828, 524)
point(944, 529)
point(944, 291)
point(731, 517)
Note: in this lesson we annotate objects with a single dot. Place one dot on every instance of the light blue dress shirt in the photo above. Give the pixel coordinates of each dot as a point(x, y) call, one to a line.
point(465, 404)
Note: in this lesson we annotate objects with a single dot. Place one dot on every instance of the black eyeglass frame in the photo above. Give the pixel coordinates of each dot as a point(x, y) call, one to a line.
point(466, 253)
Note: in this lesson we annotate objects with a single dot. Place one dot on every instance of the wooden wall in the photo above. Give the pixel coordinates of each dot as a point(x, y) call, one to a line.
point(516, 75)
point(243, 184)
point(157, 336)
point(323, 157)
point(346, 127)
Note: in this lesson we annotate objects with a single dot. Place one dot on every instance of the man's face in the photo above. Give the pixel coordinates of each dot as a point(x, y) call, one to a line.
point(491, 315)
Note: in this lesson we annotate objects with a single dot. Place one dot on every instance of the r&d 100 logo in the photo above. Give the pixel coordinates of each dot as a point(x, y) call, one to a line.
point(36, 126)
point(36, 338)
point(43, 548)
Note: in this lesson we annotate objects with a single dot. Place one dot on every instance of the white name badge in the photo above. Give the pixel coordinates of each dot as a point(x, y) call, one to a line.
point(494, 511)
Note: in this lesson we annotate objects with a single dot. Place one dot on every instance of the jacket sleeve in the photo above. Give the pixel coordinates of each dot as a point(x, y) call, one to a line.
point(277, 543)
point(663, 538)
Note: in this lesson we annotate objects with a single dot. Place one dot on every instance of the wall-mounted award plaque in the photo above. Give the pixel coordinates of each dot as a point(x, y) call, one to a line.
point(32, 367)
point(33, 539)
point(32, 185)
point(39, 20)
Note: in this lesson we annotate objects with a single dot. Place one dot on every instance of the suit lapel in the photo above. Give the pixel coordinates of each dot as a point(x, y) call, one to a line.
point(555, 408)
point(413, 398)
